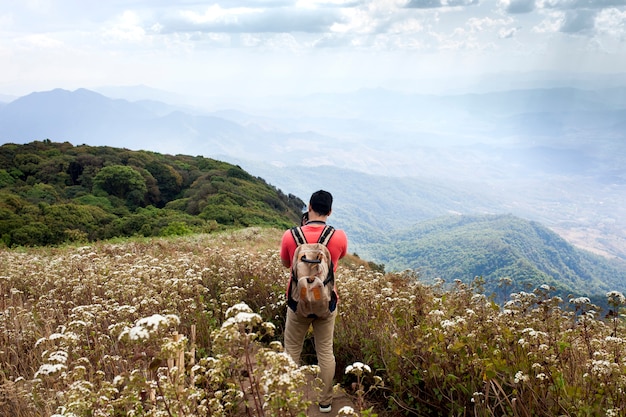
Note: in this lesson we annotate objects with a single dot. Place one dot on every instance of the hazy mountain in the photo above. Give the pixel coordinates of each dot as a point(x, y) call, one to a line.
point(374, 131)
point(553, 155)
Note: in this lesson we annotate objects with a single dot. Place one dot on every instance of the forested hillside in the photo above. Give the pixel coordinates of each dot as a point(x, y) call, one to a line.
point(52, 193)
point(56, 192)
point(509, 253)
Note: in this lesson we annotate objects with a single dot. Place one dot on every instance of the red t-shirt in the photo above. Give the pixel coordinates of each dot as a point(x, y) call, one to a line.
point(337, 246)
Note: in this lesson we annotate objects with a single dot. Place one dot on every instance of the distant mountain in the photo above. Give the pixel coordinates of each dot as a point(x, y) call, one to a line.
point(553, 155)
point(83, 116)
point(86, 117)
point(374, 131)
point(499, 247)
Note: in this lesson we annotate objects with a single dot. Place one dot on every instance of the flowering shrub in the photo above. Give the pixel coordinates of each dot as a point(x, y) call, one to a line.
point(191, 326)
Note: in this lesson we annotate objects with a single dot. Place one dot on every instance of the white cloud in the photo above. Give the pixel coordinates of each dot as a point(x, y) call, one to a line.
point(576, 21)
point(485, 23)
point(40, 41)
point(357, 21)
point(612, 22)
point(431, 4)
point(551, 23)
point(217, 15)
point(507, 33)
point(407, 26)
point(212, 43)
point(581, 4)
point(128, 27)
point(518, 6)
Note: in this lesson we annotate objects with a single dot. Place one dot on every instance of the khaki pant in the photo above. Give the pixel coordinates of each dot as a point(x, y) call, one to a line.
point(296, 329)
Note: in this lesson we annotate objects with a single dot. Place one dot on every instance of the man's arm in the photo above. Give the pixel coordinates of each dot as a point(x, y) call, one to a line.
point(287, 246)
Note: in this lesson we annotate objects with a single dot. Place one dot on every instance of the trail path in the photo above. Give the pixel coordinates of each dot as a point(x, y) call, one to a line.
point(340, 399)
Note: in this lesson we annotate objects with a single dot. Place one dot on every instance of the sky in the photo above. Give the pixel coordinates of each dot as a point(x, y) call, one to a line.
point(262, 47)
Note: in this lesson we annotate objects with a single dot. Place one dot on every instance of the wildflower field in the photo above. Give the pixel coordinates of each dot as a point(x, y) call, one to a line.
point(192, 326)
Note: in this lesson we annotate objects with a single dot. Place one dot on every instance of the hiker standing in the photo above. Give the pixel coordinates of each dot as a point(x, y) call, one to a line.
point(298, 323)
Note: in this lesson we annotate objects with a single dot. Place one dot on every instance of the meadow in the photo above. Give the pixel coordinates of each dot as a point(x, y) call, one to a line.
point(192, 326)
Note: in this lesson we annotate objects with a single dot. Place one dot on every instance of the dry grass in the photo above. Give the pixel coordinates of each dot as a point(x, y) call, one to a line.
point(191, 327)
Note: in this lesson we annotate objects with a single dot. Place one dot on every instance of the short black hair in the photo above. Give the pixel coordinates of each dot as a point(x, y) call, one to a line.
point(321, 202)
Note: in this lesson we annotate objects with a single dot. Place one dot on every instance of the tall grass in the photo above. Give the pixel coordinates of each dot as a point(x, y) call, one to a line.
point(192, 327)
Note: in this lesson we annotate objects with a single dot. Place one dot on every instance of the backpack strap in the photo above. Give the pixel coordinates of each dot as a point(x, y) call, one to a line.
point(324, 238)
point(298, 235)
point(327, 233)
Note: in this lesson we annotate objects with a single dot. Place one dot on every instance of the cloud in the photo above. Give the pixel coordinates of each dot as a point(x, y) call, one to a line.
point(432, 4)
point(127, 28)
point(580, 4)
point(253, 20)
point(518, 6)
point(507, 33)
point(612, 22)
point(583, 17)
point(576, 21)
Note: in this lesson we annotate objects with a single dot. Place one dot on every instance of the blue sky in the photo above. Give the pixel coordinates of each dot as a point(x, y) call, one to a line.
point(259, 47)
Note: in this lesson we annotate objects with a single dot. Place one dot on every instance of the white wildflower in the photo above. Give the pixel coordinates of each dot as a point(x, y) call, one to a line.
point(616, 298)
point(238, 308)
point(347, 411)
point(357, 368)
point(153, 322)
point(579, 301)
point(49, 369)
point(58, 356)
point(520, 377)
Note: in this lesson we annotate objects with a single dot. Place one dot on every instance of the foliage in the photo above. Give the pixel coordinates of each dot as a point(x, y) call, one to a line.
point(122, 182)
point(190, 326)
point(500, 248)
point(102, 192)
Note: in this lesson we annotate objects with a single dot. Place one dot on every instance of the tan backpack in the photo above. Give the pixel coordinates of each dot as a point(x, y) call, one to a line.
point(311, 290)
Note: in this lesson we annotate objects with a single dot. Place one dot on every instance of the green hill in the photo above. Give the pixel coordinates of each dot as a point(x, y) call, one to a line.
point(52, 193)
point(500, 248)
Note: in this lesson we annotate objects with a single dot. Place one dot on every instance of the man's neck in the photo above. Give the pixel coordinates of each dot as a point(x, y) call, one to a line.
point(314, 218)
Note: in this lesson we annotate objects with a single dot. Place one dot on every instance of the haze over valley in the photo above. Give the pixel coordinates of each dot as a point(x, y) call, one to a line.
point(555, 155)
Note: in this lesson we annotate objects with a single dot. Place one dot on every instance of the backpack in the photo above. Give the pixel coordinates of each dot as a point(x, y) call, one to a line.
point(311, 290)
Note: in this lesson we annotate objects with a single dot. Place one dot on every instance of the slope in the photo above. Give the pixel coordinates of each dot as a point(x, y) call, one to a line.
point(52, 193)
point(500, 248)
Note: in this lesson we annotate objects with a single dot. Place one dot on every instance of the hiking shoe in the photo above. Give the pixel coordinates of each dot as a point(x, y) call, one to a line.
point(325, 408)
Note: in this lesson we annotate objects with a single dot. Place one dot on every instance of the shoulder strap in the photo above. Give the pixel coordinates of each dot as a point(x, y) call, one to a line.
point(327, 233)
point(298, 236)
point(324, 238)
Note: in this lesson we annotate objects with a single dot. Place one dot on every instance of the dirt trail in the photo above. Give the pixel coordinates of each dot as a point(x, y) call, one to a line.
point(340, 399)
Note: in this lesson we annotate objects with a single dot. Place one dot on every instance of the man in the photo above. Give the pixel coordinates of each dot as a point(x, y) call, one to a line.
point(296, 327)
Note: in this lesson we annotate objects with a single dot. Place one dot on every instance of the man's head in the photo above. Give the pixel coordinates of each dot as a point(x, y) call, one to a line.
point(321, 202)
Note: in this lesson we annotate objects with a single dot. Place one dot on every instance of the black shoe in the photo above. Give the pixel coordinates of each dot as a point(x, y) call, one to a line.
point(325, 408)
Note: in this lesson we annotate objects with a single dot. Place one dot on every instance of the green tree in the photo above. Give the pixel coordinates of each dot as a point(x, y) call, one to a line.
point(122, 182)
point(168, 179)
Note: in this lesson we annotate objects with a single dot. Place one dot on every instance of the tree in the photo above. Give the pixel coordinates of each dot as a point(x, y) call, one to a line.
point(122, 182)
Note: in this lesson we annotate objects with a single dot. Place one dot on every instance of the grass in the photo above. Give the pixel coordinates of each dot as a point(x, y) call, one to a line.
point(191, 326)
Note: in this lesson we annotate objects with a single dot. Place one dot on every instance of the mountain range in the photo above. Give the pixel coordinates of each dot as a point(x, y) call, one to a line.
point(556, 156)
